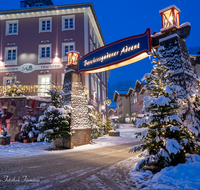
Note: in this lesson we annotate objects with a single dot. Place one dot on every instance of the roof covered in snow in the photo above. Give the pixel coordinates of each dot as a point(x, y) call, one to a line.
point(122, 93)
point(170, 7)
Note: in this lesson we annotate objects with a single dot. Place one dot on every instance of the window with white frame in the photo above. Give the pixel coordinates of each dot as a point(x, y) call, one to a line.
point(65, 48)
point(68, 22)
point(45, 24)
point(11, 56)
point(12, 27)
point(8, 80)
point(44, 53)
point(43, 84)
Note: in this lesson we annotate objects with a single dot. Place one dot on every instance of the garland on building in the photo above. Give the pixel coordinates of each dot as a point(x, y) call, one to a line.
point(172, 128)
point(13, 88)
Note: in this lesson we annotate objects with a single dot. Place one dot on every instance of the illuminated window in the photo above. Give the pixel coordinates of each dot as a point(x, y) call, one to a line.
point(12, 27)
point(68, 22)
point(43, 84)
point(45, 24)
point(65, 48)
point(11, 56)
point(44, 53)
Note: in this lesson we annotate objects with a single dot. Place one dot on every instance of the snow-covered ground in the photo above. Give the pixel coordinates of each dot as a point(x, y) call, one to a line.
point(17, 149)
point(180, 177)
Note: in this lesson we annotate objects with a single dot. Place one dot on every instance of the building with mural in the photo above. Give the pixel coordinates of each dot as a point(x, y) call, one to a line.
point(35, 39)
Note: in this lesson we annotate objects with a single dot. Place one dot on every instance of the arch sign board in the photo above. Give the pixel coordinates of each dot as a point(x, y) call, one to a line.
point(120, 53)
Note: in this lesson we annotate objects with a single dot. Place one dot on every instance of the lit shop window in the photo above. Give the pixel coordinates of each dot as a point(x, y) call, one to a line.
point(44, 54)
point(65, 48)
point(11, 56)
point(43, 84)
point(12, 27)
point(68, 22)
point(45, 24)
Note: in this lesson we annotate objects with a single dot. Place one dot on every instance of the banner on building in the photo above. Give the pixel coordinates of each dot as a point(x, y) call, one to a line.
point(116, 54)
point(29, 67)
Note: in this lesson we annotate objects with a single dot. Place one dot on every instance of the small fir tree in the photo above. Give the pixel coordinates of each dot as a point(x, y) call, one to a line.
point(29, 128)
point(108, 125)
point(96, 126)
point(167, 139)
point(56, 118)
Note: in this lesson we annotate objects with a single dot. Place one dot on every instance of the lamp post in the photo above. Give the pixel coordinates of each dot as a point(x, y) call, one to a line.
point(173, 47)
point(170, 18)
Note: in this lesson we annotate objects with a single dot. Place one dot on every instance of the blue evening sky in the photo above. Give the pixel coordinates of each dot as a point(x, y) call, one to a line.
point(120, 19)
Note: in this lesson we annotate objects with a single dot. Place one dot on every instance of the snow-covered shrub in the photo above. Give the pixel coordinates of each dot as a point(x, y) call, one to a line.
point(29, 128)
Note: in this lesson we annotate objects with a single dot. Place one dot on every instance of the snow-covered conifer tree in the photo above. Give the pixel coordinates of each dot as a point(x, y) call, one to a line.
point(108, 125)
point(95, 120)
point(167, 138)
point(56, 118)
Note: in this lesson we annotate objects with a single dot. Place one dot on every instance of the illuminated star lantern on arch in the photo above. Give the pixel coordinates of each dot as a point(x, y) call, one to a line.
point(170, 18)
point(72, 58)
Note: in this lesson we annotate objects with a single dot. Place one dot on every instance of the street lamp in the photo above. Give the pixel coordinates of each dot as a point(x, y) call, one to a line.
point(108, 102)
point(170, 18)
point(72, 58)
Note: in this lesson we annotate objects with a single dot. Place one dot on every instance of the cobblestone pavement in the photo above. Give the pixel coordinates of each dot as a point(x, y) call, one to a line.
point(103, 168)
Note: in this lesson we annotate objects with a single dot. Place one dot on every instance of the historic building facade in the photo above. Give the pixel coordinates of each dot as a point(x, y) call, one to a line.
point(34, 43)
point(130, 103)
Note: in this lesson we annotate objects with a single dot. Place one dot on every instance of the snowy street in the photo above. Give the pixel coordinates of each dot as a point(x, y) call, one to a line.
point(104, 164)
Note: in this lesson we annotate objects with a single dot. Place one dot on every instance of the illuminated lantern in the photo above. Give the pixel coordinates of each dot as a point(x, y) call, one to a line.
point(108, 102)
point(170, 18)
point(72, 58)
